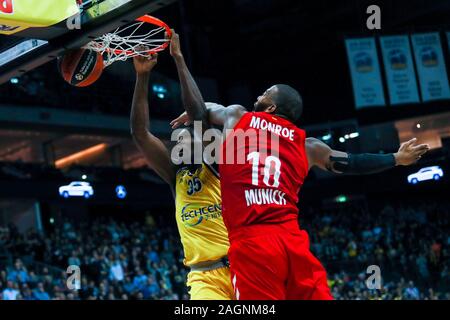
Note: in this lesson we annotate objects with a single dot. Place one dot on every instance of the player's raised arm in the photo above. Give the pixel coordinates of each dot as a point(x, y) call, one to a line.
point(322, 156)
point(154, 150)
point(192, 98)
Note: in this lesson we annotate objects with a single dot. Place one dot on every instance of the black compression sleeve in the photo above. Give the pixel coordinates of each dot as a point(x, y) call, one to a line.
point(365, 163)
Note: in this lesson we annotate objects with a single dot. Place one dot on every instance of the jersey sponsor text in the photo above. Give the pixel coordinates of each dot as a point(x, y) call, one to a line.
point(264, 196)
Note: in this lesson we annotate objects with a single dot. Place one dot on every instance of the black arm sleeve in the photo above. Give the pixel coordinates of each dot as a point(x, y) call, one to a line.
point(365, 163)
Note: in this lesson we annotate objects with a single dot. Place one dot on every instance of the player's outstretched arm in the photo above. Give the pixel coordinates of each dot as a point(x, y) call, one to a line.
point(153, 148)
point(218, 114)
point(192, 98)
point(322, 156)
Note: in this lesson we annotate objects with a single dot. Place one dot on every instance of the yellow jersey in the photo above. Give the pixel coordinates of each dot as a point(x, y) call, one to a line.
point(199, 215)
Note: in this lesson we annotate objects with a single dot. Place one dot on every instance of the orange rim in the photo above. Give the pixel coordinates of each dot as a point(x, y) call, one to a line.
point(156, 22)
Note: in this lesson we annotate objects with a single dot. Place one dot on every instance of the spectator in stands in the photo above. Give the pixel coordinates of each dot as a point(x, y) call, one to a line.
point(74, 260)
point(18, 273)
point(151, 289)
point(39, 293)
point(11, 291)
point(128, 285)
point(140, 280)
point(152, 255)
point(116, 270)
point(411, 292)
point(27, 294)
point(421, 263)
point(32, 278)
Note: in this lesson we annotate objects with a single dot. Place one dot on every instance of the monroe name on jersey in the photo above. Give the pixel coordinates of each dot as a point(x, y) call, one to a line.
point(279, 130)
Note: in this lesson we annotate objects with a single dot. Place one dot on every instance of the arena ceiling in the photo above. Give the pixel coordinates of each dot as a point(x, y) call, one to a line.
point(64, 150)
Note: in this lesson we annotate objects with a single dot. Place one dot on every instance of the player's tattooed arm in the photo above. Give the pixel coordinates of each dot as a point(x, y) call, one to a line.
point(155, 152)
point(192, 98)
point(322, 156)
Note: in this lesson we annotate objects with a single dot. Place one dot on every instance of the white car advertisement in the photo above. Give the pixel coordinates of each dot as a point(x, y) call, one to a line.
point(77, 189)
point(424, 174)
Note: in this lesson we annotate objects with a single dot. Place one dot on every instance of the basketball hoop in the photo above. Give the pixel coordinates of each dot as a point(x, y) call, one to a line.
point(126, 42)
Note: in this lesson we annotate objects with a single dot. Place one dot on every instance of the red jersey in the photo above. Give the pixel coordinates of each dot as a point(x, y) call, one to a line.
point(263, 166)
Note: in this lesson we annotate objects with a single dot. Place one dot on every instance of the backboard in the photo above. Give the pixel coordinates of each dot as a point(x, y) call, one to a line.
point(33, 47)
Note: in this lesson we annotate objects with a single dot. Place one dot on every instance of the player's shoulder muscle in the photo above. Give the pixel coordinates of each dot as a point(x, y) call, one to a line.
point(236, 109)
point(234, 113)
point(317, 151)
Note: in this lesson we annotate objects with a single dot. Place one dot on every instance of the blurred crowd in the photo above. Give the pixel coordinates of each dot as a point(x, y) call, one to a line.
point(117, 261)
point(346, 287)
point(403, 241)
point(408, 245)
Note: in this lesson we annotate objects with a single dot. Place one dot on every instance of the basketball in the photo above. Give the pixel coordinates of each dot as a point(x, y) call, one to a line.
point(81, 67)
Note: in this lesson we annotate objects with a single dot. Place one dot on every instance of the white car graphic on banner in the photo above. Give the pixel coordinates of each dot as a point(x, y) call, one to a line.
point(77, 189)
point(428, 173)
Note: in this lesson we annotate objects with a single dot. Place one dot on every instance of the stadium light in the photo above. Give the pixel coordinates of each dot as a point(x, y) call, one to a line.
point(326, 137)
point(349, 136)
point(14, 80)
point(66, 161)
point(159, 89)
point(341, 199)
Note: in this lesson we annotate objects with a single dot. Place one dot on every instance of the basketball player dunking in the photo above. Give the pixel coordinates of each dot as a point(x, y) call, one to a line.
point(269, 254)
point(196, 188)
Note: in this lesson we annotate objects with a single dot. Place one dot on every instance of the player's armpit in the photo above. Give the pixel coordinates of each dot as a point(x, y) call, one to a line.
point(157, 156)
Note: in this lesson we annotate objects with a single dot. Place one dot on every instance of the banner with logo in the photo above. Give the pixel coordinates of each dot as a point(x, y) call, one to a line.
point(17, 15)
point(399, 68)
point(365, 72)
point(431, 66)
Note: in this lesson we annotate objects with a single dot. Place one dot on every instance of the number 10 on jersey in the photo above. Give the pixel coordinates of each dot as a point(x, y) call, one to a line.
point(269, 162)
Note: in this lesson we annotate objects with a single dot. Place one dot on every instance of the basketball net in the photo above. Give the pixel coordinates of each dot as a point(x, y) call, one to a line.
point(132, 40)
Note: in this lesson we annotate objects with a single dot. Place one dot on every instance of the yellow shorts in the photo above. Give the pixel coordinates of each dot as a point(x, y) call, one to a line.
point(211, 285)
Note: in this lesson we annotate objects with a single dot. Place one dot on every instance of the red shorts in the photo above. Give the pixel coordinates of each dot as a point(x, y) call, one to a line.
point(276, 264)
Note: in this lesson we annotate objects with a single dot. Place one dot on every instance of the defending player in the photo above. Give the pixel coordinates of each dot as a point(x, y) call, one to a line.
point(196, 189)
point(269, 254)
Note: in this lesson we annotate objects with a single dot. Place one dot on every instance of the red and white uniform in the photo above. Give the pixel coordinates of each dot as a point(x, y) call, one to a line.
point(263, 166)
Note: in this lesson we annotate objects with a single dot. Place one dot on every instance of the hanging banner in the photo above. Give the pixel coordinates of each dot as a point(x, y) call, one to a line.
point(431, 66)
point(365, 72)
point(399, 68)
point(17, 15)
